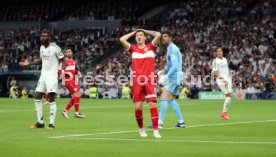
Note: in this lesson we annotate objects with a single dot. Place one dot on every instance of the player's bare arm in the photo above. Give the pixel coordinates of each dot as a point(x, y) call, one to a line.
point(62, 64)
point(25, 62)
point(155, 34)
point(216, 74)
point(124, 42)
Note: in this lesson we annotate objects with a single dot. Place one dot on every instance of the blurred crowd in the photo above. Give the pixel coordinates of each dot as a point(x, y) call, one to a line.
point(246, 34)
point(51, 10)
point(88, 45)
point(244, 29)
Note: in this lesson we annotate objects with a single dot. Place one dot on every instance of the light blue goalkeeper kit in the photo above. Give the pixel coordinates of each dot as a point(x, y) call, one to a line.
point(174, 72)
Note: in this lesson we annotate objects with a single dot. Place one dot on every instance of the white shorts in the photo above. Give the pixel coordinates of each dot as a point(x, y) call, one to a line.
point(226, 88)
point(47, 83)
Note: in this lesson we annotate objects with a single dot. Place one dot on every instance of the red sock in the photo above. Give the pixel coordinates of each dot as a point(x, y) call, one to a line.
point(154, 118)
point(139, 118)
point(70, 104)
point(77, 104)
point(46, 97)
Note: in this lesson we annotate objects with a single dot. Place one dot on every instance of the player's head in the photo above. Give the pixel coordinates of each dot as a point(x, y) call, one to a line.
point(219, 52)
point(140, 37)
point(68, 53)
point(45, 37)
point(166, 37)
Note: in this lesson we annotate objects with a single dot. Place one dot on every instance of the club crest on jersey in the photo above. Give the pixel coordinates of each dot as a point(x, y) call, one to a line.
point(146, 49)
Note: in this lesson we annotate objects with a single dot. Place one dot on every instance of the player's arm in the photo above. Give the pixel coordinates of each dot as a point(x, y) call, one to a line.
point(25, 62)
point(157, 35)
point(174, 60)
point(78, 73)
point(124, 42)
point(172, 70)
point(62, 62)
point(216, 73)
point(61, 68)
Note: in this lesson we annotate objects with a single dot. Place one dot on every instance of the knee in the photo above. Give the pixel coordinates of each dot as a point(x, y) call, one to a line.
point(152, 104)
point(38, 96)
point(138, 106)
point(229, 95)
point(166, 95)
point(77, 94)
point(51, 97)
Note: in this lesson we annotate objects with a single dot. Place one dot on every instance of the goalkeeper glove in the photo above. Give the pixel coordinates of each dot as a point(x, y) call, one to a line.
point(163, 79)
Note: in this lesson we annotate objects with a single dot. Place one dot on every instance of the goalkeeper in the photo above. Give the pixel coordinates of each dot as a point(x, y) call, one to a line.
point(171, 77)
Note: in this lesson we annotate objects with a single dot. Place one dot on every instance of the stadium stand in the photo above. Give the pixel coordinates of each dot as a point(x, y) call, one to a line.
point(244, 29)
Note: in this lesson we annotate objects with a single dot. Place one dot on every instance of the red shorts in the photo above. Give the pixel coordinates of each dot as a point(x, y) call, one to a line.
point(146, 91)
point(72, 86)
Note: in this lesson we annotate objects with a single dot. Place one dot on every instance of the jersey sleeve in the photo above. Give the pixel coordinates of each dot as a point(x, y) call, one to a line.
point(172, 53)
point(40, 52)
point(151, 47)
point(131, 48)
point(59, 53)
point(214, 65)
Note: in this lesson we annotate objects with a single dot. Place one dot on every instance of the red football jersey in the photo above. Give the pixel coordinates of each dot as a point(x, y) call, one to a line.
point(143, 63)
point(70, 69)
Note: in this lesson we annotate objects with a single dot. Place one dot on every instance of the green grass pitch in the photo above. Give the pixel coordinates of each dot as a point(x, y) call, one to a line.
point(110, 129)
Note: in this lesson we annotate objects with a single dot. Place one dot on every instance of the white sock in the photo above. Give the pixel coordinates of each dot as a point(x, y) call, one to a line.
point(38, 108)
point(226, 104)
point(53, 111)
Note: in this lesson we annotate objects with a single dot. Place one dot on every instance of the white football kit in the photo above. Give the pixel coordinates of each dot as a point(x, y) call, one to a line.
point(221, 66)
point(48, 81)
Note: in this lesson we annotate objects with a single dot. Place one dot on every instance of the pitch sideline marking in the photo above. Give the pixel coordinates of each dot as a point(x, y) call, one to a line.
point(130, 131)
point(180, 141)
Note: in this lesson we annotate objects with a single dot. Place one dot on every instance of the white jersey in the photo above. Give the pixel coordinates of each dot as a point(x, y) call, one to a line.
point(50, 58)
point(221, 66)
point(48, 81)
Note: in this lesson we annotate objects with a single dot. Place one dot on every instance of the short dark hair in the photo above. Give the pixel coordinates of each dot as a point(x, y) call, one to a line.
point(168, 33)
point(46, 31)
point(68, 48)
point(140, 31)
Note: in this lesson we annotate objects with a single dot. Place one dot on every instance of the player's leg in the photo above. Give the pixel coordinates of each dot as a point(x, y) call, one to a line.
point(39, 92)
point(70, 103)
point(175, 106)
point(228, 92)
point(70, 88)
point(53, 110)
point(77, 96)
point(164, 99)
point(170, 90)
point(39, 109)
point(154, 118)
point(68, 106)
point(226, 105)
point(51, 86)
point(150, 95)
point(138, 101)
point(139, 118)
